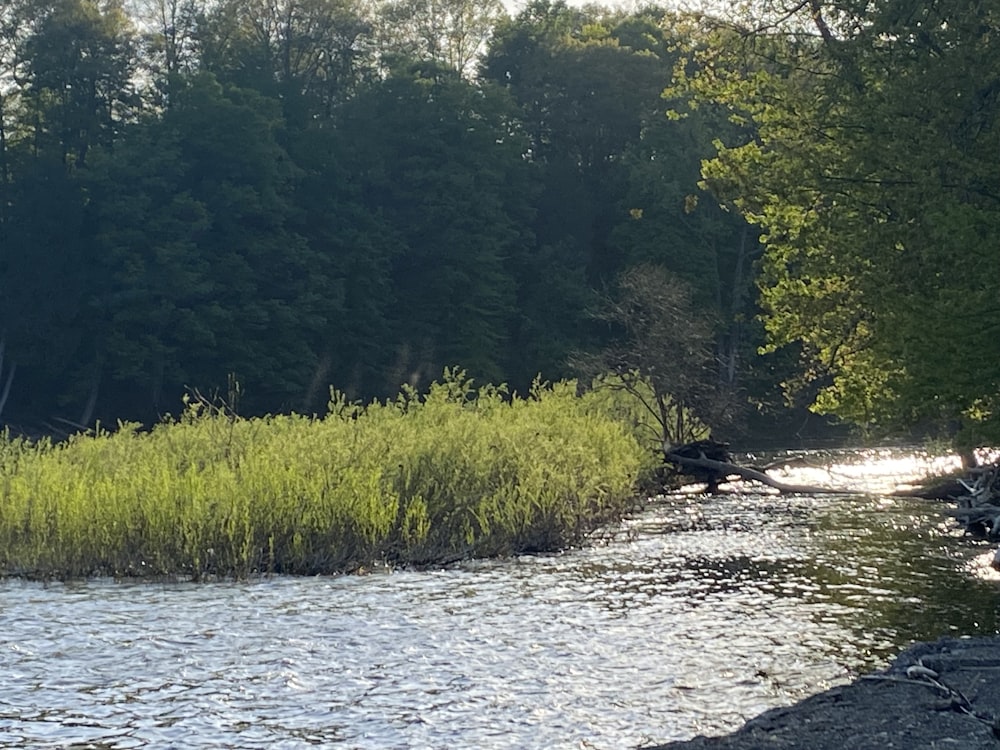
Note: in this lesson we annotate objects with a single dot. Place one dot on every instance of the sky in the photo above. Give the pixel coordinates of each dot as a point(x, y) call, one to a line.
point(709, 6)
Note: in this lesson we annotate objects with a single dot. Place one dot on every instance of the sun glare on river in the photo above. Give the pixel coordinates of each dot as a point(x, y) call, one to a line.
point(874, 471)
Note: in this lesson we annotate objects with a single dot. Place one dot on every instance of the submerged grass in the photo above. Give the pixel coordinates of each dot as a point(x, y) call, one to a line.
point(420, 480)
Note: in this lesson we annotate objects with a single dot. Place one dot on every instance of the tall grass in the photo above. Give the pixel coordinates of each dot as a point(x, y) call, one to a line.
point(459, 472)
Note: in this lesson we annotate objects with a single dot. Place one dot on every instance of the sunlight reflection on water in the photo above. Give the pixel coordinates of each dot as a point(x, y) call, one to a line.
point(694, 616)
point(875, 470)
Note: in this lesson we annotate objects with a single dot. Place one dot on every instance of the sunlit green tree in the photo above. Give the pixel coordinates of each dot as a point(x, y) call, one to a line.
point(878, 201)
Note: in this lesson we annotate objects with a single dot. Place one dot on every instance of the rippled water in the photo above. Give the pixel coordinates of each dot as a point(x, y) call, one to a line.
point(690, 618)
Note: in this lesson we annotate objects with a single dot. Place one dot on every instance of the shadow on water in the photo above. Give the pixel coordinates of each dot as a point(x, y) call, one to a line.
point(905, 573)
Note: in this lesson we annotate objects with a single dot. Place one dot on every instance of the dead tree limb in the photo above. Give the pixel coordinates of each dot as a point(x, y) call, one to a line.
point(728, 469)
point(983, 520)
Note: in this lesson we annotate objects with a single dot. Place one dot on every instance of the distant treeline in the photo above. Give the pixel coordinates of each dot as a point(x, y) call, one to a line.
point(312, 192)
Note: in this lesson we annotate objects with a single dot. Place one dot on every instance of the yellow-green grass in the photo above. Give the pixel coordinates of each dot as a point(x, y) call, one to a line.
point(420, 480)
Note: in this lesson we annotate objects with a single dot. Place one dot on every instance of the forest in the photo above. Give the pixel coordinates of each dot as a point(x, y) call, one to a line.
point(761, 206)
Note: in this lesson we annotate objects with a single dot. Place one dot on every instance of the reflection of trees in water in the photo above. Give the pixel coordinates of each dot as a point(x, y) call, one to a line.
point(869, 575)
point(896, 572)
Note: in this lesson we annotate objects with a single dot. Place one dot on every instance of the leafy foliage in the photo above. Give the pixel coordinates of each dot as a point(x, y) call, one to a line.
point(450, 185)
point(306, 192)
point(878, 209)
point(457, 473)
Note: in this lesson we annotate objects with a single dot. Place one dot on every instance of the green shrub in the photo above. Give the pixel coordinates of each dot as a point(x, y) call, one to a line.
point(456, 473)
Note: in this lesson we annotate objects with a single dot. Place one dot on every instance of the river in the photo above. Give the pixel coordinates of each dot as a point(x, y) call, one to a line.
point(687, 619)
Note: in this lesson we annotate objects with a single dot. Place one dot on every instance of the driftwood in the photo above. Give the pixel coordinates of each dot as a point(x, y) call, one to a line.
point(979, 505)
point(982, 520)
point(984, 489)
point(703, 466)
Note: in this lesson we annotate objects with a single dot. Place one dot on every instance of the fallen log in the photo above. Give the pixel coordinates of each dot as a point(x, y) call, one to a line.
point(710, 450)
point(727, 469)
point(984, 490)
point(979, 521)
point(979, 503)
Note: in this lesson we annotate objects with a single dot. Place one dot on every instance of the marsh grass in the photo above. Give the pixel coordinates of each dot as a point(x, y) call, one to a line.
point(459, 472)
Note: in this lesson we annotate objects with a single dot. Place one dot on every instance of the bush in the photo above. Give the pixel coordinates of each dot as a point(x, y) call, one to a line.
point(458, 472)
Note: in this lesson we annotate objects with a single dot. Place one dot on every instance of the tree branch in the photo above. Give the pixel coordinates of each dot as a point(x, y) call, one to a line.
point(727, 469)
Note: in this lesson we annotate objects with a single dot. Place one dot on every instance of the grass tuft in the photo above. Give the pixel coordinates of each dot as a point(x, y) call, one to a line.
point(459, 472)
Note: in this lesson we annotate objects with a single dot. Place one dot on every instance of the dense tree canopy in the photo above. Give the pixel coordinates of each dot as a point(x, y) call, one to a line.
point(871, 170)
point(313, 192)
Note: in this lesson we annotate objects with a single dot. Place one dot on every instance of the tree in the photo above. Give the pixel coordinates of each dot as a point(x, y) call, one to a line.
point(585, 82)
point(334, 213)
point(203, 272)
point(667, 218)
point(46, 269)
point(171, 40)
point(310, 54)
point(453, 33)
point(621, 178)
point(65, 90)
point(439, 160)
point(879, 210)
point(584, 98)
point(663, 354)
point(11, 23)
point(75, 69)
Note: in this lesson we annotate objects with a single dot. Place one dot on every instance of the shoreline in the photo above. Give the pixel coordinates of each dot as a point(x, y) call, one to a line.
point(933, 695)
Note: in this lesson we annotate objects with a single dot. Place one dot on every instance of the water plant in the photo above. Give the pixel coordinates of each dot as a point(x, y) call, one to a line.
point(457, 472)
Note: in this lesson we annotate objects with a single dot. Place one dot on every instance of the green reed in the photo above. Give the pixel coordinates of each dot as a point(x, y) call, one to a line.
point(459, 472)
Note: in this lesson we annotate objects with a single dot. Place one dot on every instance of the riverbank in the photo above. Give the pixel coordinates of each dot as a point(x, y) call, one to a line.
point(933, 695)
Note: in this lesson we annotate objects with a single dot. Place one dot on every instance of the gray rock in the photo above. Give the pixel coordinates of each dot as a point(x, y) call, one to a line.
point(958, 710)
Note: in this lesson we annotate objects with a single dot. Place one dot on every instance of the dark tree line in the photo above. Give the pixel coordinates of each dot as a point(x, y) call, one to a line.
point(314, 192)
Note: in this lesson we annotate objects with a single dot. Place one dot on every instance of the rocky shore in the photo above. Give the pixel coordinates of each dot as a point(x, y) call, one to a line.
point(934, 695)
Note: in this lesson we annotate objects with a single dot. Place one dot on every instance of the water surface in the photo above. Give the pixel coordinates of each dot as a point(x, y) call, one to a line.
point(688, 619)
